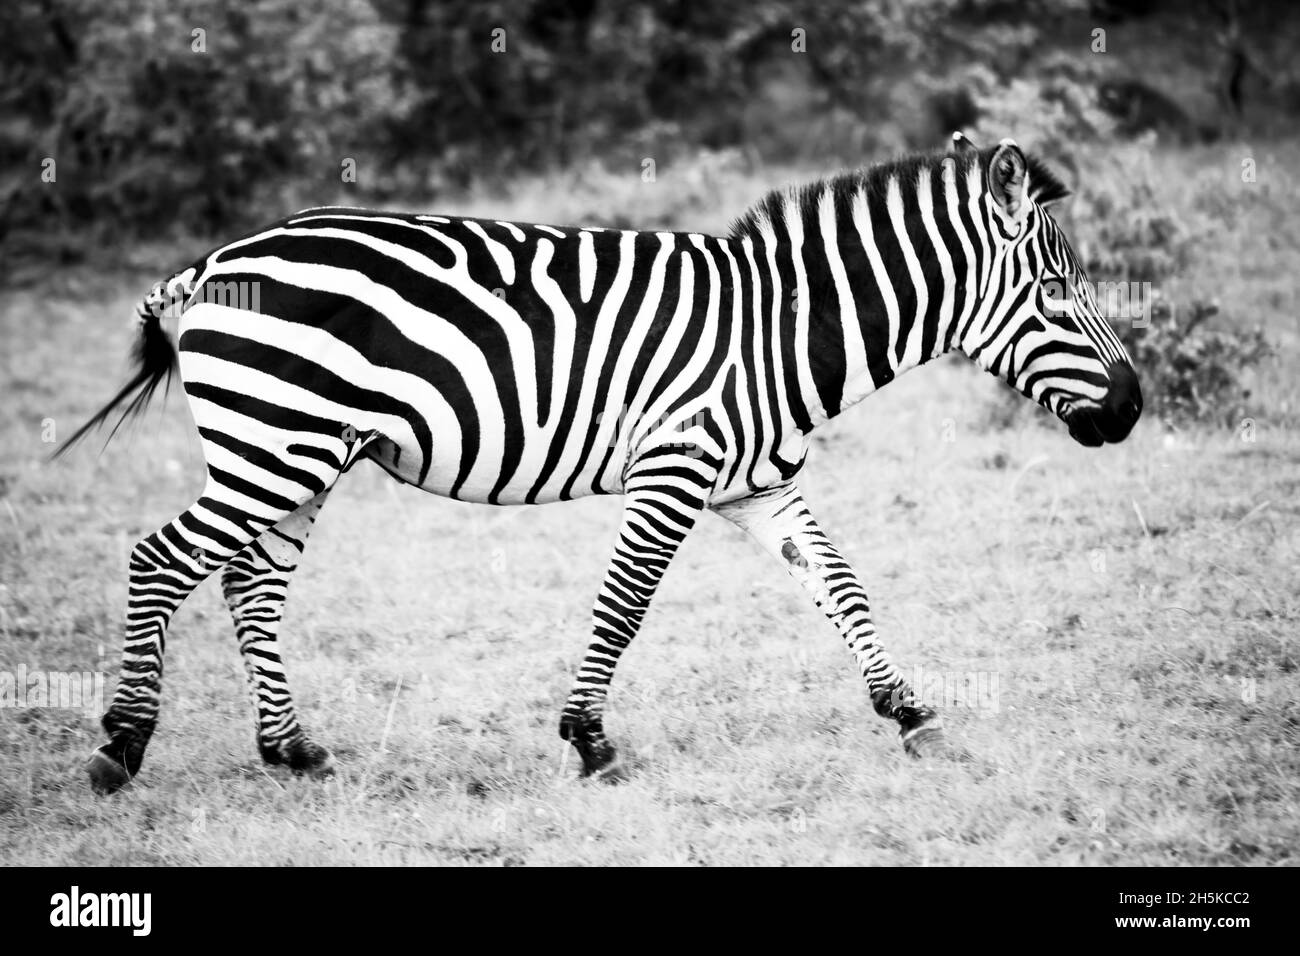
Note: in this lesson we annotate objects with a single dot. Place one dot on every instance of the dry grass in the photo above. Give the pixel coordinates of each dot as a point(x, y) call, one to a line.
point(1136, 607)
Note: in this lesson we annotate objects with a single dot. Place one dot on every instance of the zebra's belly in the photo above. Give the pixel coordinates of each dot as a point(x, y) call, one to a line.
point(525, 486)
point(597, 477)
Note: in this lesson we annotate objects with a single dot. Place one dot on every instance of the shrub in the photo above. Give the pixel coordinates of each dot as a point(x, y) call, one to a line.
point(152, 126)
point(1050, 114)
point(1193, 372)
point(1123, 227)
point(1132, 227)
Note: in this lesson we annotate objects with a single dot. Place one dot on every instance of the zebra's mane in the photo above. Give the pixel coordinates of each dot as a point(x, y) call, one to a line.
point(1045, 187)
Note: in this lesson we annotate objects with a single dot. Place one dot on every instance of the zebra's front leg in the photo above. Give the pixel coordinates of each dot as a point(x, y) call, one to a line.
point(660, 508)
point(256, 585)
point(781, 522)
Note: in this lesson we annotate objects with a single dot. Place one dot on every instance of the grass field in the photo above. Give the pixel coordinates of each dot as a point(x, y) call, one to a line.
point(1127, 616)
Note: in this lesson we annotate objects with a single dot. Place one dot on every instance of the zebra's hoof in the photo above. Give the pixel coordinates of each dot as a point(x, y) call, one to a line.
point(614, 772)
point(302, 756)
point(107, 774)
point(319, 766)
point(599, 757)
point(601, 762)
point(926, 740)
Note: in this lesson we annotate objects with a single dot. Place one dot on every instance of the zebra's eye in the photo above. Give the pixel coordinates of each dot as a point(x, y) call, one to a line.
point(1056, 296)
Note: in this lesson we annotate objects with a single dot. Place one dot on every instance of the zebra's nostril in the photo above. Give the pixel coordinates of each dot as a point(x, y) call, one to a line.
point(1125, 397)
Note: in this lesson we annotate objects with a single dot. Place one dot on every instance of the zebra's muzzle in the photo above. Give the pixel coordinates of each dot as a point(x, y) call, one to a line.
point(1114, 418)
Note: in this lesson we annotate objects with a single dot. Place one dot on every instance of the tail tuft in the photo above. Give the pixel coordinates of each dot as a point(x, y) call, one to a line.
point(154, 357)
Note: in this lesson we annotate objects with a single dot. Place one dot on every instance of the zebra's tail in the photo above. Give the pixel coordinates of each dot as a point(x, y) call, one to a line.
point(154, 358)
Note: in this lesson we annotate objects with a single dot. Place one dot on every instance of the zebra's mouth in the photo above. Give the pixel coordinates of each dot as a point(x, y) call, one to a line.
point(1083, 428)
point(1092, 426)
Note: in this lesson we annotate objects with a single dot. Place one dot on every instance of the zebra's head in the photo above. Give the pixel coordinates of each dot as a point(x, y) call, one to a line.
point(1040, 328)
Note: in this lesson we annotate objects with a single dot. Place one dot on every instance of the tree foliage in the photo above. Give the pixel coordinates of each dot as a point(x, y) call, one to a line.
point(187, 112)
point(150, 124)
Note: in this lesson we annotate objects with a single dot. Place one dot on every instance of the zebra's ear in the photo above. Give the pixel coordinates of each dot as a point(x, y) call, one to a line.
point(1007, 179)
point(961, 143)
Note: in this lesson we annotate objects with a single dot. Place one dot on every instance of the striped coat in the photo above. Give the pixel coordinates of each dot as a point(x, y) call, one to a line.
point(523, 364)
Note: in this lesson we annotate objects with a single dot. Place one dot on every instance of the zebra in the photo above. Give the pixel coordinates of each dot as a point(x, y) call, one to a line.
point(508, 363)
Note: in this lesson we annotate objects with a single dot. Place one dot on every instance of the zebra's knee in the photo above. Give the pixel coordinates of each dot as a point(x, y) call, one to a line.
point(234, 573)
point(152, 555)
point(236, 583)
point(143, 557)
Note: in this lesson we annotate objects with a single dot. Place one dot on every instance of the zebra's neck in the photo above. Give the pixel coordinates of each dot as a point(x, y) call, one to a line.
point(880, 277)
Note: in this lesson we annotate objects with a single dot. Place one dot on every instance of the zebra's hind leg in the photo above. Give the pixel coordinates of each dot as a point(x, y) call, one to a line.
point(256, 584)
point(780, 521)
point(164, 568)
point(661, 506)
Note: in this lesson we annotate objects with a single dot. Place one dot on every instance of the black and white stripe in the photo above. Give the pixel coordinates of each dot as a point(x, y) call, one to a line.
point(507, 363)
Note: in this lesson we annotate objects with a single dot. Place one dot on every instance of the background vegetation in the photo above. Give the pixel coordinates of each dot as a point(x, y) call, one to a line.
point(1137, 605)
point(163, 119)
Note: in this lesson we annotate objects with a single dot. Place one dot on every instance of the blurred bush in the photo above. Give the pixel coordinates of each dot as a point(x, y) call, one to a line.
point(1132, 228)
point(1194, 372)
point(1054, 111)
point(1123, 221)
point(427, 95)
point(151, 127)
